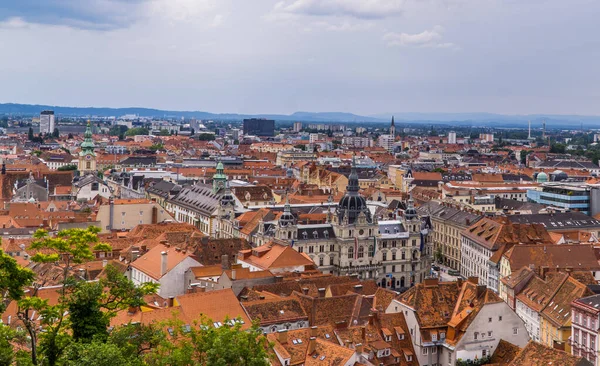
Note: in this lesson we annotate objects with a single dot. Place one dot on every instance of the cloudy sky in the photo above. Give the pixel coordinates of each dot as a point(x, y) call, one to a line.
point(271, 56)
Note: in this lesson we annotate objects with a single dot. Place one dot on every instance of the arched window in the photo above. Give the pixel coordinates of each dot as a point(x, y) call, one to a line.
point(289, 234)
point(361, 252)
point(371, 251)
point(351, 253)
point(403, 254)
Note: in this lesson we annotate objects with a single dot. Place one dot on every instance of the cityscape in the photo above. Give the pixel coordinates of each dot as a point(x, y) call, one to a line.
point(219, 183)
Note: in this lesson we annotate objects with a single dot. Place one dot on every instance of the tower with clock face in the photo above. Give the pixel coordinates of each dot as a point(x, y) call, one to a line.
point(87, 156)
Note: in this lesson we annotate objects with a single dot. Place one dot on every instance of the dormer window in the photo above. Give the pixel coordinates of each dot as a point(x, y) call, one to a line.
point(304, 235)
point(316, 234)
point(326, 234)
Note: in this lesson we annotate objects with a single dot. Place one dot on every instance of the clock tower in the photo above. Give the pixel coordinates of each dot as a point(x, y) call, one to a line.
point(87, 156)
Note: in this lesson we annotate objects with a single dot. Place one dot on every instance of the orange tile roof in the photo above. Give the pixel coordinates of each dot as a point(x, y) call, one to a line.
point(275, 256)
point(150, 263)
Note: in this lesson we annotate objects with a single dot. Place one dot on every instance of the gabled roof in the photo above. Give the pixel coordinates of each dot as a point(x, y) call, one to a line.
point(150, 263)
point(558, 311)
point(536, 354)
point(432, 301)
point(273, 256)
point(576, 257)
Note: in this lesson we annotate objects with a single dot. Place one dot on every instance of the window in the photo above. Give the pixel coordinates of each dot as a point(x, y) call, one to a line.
point(434, 337)
point(350, 252)
point(371, 251)
point(331, 247)
point(424, 351)
point(300, 249)
point(434, 350)
point(442, 335)
point(384, 256)
point(94, 186)
point(321, 261)
point(483, 353)
point(321, 248)
point(489, 320)
point(515, 331)
point(449, 358)
point(475, 335)
point(361, 252)
point(489, 333)
point(311, 249)
point(403, 255)
point(500, 318)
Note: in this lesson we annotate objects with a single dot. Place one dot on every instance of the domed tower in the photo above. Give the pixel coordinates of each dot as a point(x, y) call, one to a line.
point(352, 205)
point(411, 218)
point(541, 177)
point(219, 179)
point(87, 156)
point(286, 228)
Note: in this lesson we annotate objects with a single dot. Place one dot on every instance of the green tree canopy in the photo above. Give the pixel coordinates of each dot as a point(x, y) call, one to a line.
point(137, 131)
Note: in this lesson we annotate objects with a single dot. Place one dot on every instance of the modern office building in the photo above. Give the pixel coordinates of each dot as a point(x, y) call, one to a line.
point(47, 122)
point(574, 196)
point(259, 127)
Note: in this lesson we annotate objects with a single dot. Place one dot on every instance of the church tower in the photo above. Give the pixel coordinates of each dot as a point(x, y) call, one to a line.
point(219, 179)
point(393, 128)
point(87, 156)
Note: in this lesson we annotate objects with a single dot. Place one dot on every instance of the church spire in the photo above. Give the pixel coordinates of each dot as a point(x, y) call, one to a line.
point(393, 128)
point(353, 185)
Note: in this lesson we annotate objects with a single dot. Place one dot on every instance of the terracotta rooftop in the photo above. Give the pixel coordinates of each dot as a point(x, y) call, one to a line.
point(275, 311)
point(150, 263)
point(536, 354)
point(505, 352)
point(273, 256)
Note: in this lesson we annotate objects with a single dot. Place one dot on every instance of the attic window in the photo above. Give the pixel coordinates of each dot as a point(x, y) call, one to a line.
point(304, 235)
point(326, 234)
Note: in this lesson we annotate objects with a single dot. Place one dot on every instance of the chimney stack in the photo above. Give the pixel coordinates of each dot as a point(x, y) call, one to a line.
point(312, 345)
point(233, 274)
point(171, 301)
point(359, 348)
point(313, 331)
point(163, 263)
point(225, 262)
point(104, 263)
point(282, 336)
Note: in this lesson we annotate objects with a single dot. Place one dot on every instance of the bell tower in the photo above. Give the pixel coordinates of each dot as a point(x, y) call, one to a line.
point(87, 156)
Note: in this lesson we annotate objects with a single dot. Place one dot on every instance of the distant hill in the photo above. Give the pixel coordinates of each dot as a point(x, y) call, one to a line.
point(35, 109)
point(494, 120)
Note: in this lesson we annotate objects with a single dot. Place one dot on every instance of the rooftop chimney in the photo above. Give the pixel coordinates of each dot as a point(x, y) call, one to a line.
point(312, 345)
point(313, 331)
point(359, 348)
point(104, 263)
point(233, 274)
point(358, 289)
point(225, 261)
point(163, 263)
point(282, 336)
point(171, 301)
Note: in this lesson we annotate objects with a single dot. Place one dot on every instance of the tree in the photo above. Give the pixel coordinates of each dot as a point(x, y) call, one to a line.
point(92, 304)
point(30, 134)
point(13, 279)
point(67, 248)
point(164, 132)
point(70, 136)
point(157, 147)
point(55, 133)
point(137, 131)
point(7, 354)
point(300, 147)
point(66, 168)
point(204, 344)
point(117, 130)
point(206, 137)
point(558, 148)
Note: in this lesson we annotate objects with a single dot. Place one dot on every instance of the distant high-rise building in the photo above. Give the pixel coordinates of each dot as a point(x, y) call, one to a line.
point(235, 133)
point(259, 127)
point(452, 137)
point(486, 137)
point(47, 122)
point(297, 126)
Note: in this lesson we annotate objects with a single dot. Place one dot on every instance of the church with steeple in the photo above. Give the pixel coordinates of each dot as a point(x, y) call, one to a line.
point(87, 156)
point(396, 253)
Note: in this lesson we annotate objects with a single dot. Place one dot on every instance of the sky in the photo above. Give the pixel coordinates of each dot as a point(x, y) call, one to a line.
point(281, 56)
